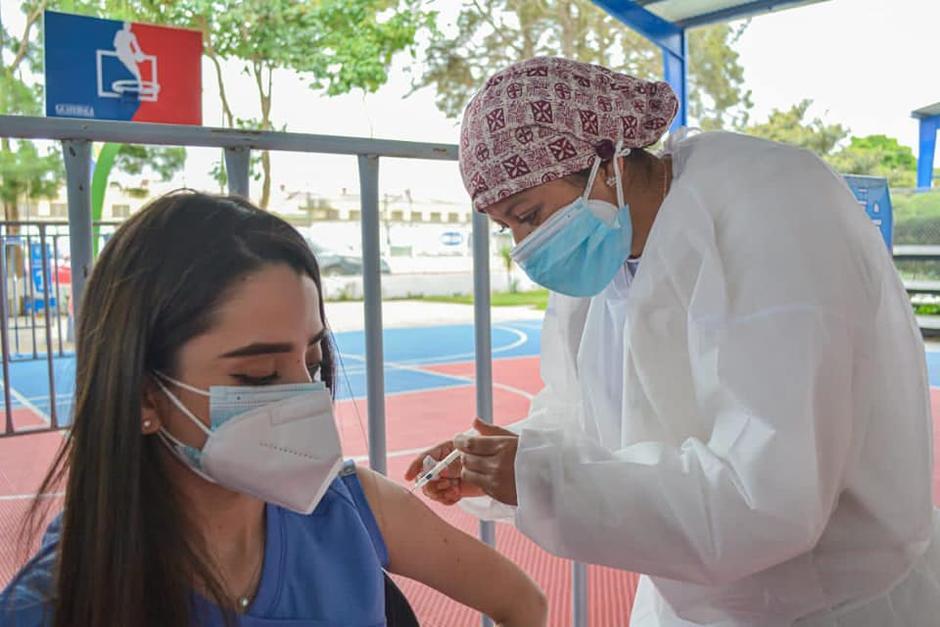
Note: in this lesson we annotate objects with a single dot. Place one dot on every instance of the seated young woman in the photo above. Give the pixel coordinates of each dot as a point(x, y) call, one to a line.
point(204, 481)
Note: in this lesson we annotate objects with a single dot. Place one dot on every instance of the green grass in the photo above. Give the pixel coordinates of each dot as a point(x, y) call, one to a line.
point(537, 299)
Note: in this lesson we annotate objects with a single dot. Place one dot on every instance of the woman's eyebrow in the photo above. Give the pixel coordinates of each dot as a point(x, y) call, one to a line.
point(270, 348)
point(260, 348)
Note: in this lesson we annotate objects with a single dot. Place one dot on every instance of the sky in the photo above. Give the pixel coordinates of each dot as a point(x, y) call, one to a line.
point(866, 64)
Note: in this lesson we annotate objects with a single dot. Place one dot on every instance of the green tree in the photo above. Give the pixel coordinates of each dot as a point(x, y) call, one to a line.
point(793, 127)
point(491, 34)
point(878, 155)
point(336, 45)
point(505, 254)
point(27, 174)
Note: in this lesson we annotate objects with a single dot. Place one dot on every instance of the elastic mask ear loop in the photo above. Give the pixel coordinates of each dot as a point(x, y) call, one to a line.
point(185, 386)
point(179, 404)
point(618, 175)
point(169, 441)
point(590, 183)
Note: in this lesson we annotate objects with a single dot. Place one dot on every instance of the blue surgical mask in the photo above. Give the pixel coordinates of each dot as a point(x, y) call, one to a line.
point(580, 248)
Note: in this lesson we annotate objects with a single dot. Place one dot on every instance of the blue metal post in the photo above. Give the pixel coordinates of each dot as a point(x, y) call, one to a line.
point(77, 154)
point(372, 304)
point(928, 144)
point(665, 34)
point(238, 169)
point(483, 337)
point(579, 595)
point(675, 70)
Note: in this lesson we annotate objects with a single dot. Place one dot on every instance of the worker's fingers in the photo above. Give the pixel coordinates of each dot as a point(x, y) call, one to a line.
point(486, 428)
point(446, 492)
point(480, 480)
point(480, 464)
point(438, 452)
point(482, 444)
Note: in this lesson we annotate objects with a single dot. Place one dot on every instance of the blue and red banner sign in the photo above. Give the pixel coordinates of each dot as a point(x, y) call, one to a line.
point(112, 70)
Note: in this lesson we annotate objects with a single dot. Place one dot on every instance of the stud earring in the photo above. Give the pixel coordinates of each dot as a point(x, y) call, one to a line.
point(147, 424)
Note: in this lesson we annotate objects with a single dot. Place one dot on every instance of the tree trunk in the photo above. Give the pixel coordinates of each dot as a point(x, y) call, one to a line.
point(266, 185)
point(228, 119)
point(264, 96)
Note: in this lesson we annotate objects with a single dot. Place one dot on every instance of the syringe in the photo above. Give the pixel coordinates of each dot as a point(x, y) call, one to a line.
point(436, 470)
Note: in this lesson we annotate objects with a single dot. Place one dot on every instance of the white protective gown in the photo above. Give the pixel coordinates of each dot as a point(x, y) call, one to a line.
point(747, 423)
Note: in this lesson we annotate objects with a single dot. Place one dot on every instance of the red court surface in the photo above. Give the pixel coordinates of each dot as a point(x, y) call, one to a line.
point(415, 420)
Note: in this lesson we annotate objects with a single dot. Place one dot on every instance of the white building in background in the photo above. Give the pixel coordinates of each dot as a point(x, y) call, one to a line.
point(411, 226)
point(119, 203)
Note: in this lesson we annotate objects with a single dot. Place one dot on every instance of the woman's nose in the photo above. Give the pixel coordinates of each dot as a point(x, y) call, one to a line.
point(520, 232)
point(298, 373)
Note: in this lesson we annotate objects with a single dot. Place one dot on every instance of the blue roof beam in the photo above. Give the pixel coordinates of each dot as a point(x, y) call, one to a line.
point(665, 34)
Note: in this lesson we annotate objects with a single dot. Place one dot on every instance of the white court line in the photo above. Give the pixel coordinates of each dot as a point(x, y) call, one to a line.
point(42, 399)
point(521, 338)
point(23, 497)
point(25, 402)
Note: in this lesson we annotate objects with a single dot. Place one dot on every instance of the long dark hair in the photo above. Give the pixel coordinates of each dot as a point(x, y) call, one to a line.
point(128, 551)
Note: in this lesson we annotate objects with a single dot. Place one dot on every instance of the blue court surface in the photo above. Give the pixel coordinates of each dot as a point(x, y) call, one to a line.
point(406, 352)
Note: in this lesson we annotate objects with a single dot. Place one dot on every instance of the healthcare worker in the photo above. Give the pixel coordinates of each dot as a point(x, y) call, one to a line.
point(736, 401)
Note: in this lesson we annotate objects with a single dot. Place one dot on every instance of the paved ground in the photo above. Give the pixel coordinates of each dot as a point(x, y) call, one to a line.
point(429, 381)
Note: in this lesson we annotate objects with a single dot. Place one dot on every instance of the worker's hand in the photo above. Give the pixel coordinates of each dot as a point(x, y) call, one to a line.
point(489, 461)
point(448, 488)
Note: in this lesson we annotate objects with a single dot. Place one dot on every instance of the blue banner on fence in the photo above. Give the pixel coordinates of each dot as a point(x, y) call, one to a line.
point(872, 194)
point(36, 274)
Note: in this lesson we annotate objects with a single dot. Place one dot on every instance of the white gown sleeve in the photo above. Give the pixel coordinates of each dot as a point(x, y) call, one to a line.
point(557, 404)
point(758, 492)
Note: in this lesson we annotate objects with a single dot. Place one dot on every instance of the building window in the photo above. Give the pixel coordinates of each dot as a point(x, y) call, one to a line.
point(324, 214)
point(435, 216)
point(416, 216)
point(398, 216)
point(355, 215)
point(120, 211)
point(59, 210)
point(453, 217)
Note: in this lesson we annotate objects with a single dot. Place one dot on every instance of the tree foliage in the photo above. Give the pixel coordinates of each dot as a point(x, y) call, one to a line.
point(491, 34)
point(336, 45)
point(873, 155)
point(878, 155)
point(792, 126)
point(26, 173)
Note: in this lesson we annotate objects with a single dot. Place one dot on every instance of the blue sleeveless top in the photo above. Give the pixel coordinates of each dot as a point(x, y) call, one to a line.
point(320, 570)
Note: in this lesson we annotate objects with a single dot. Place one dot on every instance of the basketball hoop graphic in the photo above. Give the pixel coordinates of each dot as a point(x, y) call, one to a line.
point(113, 66)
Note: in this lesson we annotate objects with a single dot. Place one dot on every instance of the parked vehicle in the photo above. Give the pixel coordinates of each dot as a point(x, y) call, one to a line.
point(333, 263)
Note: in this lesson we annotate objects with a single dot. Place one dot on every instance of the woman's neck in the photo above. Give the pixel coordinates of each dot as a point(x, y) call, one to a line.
point(645, 191)
point(231, 528)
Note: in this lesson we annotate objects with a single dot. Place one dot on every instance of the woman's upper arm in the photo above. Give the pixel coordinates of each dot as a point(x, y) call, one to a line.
point(424, 547)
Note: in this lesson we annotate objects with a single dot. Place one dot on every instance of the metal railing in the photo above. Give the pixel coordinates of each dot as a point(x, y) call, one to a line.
point(76, 137)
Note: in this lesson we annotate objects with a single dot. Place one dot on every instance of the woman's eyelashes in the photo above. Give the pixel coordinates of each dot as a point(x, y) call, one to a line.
point(529, 216)
point(245, 379)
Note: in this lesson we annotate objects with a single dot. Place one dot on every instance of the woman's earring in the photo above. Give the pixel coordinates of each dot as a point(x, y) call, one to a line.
point(147, 424)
